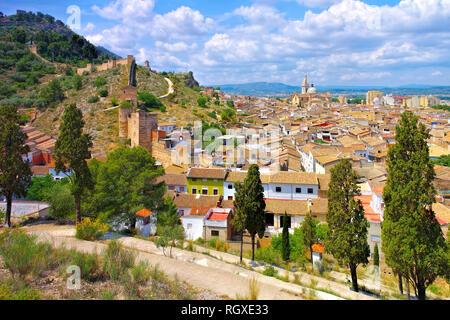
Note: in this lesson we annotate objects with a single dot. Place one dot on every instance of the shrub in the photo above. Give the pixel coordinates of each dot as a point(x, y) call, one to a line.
point(21, 254)
point(141, 273)
point(190, 246)
point(103, 93)
point(89, 264)
point(163, 109)
point(213, 243)
point(12, 290)
point(61, 201)
point(100, 81)
point(270, 271)
point(2, 215)
point(90, 230)
point(199, 241)
point(126, 105)
point(268, 255)
point(117, 260)
point(114, 102)
point(93, 99)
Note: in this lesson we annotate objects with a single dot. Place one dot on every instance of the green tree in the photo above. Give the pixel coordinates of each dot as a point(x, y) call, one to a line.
point(240, 213)
point(348, 227)
point(168, 237)
point(285, 245)
point(100, 81)
point(19, 35)
point(168, 214)
point(413, 243)
point(77, 82)
point(53, 92)
point(443, 160)
point(71, 153)
point(308, 227)
point(202, 102)
point(41, 186)
point(124, 184)
point(15, 173)
point(254, 204)
point(61, 201)
point(230, 103)
point(149, 101)
point(376, 256)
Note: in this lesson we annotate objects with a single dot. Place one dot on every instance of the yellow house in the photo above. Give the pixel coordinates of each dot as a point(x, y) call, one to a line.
point(205, 181)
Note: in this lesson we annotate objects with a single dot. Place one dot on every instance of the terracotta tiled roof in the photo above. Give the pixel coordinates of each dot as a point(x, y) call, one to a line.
point(236, 176)
point(291, 207)
point(184, 200)
point(40, 170)
point(173, 179)
point(206, 173)
point(144, 213)
point(290, 177)
point(318, 248)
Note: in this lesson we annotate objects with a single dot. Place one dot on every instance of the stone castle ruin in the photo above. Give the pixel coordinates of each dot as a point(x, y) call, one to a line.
point(134, 124)
point(107, 65)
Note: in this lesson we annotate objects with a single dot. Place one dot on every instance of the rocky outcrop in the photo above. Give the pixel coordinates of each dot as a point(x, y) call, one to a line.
point(190, 81)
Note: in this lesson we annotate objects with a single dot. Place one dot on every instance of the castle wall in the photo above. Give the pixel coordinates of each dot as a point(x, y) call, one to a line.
point(123, 122)
point(140, 127)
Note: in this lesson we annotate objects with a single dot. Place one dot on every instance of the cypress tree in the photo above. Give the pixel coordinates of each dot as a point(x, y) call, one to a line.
point(376, 256)
point(15, 173)
point(413, 243)
point(308, 228)
point(285, 245)
point(71, 152)
point(240, 213)
point(348, 227)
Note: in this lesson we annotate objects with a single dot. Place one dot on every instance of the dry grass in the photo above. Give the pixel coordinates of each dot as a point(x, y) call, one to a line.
point(254, 289)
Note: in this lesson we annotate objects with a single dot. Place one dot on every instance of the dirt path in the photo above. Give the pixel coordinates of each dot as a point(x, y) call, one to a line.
point(216, 271)
point(170, 90)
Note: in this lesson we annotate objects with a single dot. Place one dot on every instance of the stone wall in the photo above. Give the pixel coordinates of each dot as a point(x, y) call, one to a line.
point(106, 65)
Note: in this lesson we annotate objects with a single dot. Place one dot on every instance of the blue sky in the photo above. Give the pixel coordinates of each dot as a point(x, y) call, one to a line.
point(336, 42)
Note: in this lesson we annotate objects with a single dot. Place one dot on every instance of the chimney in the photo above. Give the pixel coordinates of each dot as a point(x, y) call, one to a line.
point(219, 204)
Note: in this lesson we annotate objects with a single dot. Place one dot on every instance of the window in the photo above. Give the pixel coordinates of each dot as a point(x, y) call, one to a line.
point(278, 189)
point(171, 187)
point(310, 190)
point(194, 190)
point(214, 233)
point(215, 192)
point(298, 190)
point(181, 189)
point(204, 180)
point(181, 213)
point(269, 219)
point(230, 186)
point(194, 179)
point(205, 191)
point(230, 197)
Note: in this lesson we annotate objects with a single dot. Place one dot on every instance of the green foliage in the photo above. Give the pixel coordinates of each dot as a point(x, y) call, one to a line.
point(201, 102)
point(442, 107)
point(103, 93)
point(90, 265)
point(126, 105)
point(376, 256)
point(21, 254)
point(61, 201)
point(270, 271)
point(114, 102)
point(53, 92)
point(443, 160)
point(269, 255)
point(168, 237)
point(93, 99)
point(2, 215)
point(413, 243)
point(17, 290)
point(100, 81)
point(285, 245)
point(230, 104)
point(90, 230)
point(212, 114)
point(227, 114)
point(71, 151)
point(308, 229)
point(117, 261)
point(19, 35)
point(348, 226)
point(15, 174)
point(40, 186)
point(124, 184)
point(355, 101)
point(163, 109)
point(167, 215)
point(149, 101)
point(141, 273)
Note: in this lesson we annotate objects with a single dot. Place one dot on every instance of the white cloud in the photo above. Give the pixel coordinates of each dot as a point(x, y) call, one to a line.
point(182, 23)
point(126, 9)
point(317, 3)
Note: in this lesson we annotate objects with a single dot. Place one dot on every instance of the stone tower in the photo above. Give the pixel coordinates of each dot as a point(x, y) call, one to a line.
point(305, 85)
point(128, 93)
point(140, 127)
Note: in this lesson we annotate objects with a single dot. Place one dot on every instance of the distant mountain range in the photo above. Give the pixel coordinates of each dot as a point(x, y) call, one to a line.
point(260, 89)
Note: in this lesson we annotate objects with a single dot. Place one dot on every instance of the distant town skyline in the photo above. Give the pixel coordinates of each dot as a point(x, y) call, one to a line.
point(348, 42)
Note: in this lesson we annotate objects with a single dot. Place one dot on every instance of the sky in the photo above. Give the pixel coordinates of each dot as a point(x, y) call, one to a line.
point(334, 42)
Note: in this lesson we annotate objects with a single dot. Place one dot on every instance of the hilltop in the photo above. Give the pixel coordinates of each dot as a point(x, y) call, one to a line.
point(38, 69)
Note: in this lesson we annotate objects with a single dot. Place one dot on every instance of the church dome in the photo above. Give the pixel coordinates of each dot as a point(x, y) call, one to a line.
point(312, 90)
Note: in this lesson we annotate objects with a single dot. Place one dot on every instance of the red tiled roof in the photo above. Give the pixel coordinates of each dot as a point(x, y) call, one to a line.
point(218, 216)
point(143, 213)
point(318, 248)
point(199, 210)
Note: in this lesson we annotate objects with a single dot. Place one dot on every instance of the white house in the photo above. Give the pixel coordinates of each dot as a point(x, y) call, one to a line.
point(146, 223)
point(193, 226)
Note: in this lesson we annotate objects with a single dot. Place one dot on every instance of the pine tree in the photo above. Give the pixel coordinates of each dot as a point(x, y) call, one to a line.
point(308, 228)
point(285, 245)
point(71, 152)
point(15, 173)
point(413, 243)
point(376, 256)
point(348, 227)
